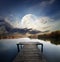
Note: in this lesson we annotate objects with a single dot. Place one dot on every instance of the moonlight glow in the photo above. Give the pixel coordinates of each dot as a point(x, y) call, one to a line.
point(31, 21)
point(37, 23)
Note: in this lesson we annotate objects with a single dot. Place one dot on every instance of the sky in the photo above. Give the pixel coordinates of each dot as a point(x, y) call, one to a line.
point(37, 14)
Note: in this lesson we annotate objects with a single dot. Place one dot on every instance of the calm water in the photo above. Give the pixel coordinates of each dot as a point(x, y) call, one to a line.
point(8, 49)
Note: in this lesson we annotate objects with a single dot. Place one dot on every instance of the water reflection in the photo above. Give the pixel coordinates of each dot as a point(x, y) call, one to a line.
point(8, 49)
point(53, 41)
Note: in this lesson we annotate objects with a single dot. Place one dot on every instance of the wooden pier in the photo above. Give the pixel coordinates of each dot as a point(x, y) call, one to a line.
point(29, 52)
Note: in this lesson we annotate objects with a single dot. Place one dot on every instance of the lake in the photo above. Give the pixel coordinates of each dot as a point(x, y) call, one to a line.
point(8, 49)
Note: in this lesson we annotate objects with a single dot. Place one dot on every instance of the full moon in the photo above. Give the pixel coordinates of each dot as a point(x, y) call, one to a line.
point(31, 21)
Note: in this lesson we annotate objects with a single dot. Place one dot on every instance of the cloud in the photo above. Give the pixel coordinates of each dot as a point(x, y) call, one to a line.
point(56, 15)
point(46, 3)
point(56, 25)
point(38, 23)
point(52, 1)
point(41, 8)
point(14, 21)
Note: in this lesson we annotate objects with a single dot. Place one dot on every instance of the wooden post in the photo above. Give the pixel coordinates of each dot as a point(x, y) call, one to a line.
point(18, 47)
point(42, 48)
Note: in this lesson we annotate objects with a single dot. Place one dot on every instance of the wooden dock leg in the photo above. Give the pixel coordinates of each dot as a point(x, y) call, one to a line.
point(18, 47)
point(42, 48)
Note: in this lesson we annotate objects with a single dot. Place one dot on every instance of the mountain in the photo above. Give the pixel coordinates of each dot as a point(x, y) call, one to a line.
point(34, 31)
point(7, 28)
point(20, 30)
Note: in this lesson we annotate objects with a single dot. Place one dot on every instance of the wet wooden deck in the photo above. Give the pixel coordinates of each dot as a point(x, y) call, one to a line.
point(30, 52)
